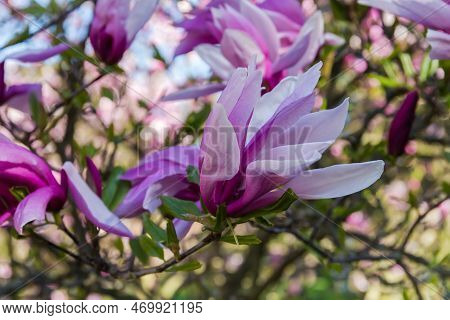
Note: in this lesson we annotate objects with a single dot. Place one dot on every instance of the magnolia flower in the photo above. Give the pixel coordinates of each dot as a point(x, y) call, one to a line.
point(402, 124)
point(115, 26)
point(28, 188)
point(434, 14)
point(90, 203)
point(254, 148)
point(160, 173)
point(229, 33)
point(18, 95)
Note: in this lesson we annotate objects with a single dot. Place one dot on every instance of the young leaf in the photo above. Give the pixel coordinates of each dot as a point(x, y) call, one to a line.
point(138, 251)
point(193, 175)
point(188, 266)
point(150, 247)
point(157, 233)
point(38, 113)
point(246, 240)
point(114, 188)
point(221, 217)
point(107, 93)
point(172, 239)
point(179, 208)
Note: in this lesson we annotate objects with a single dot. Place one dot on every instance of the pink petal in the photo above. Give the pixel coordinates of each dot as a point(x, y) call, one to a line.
point(34, 206)
point(336, 181)
point(38, 54)
point(194, 92)
point(214, 58)
point(91, 205)
point(138, 16)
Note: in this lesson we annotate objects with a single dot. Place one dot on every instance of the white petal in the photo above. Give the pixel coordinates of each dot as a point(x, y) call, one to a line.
point(323, 125)
point(214, 58)
point(336, 181)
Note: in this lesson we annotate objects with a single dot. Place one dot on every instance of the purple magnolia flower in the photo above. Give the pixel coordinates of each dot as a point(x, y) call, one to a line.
point(434, 14)
point(161, 173)
point(230, 33)
point(90, 203)
point(18, 96)
point(402, 124)
point(28, 188)
point(255, 147)
point(115, 26)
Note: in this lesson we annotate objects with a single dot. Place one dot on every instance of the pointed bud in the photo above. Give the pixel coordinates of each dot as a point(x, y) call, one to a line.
point(402, 124)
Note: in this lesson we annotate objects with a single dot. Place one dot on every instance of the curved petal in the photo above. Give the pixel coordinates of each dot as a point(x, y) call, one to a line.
point(322, 125)
point(182, 227)
point(440, 44)
point(289, 8)
point(220, 150)
point(239, 48)
point(13, 155)
point(38, 54)
point(91, 205)
point(138, 16)
point(194, 92)
point(18, 96)
point(314, 26)
point(169, 186)
point(220, 154)
point(431, 13)
point(293, 54)
point(336, 181)
point(34, 206)
point(288, 92)
point(214, 58)
point(94, 176)
point(264, 25)
point(169, 161)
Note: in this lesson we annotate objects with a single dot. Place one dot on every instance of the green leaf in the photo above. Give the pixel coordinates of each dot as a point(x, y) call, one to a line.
point(180, 209)
point(192, 175)
point(150, 247)
point(246, 240)
point(407, 64)
point(281, 205)
point(196, 119)
point(264, 221)
point(188, 266)
point(138, 251)
point(425, 68)
point(23, 35)
point(385, 81)
point(157, 233)
point(221, 217)
point(38, 113)
point(118, 244)
point(19, 192)
point(107, 93)
point(172, 239)
point(114, 187)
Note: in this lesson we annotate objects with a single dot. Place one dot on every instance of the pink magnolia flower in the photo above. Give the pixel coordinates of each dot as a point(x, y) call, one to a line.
point(18, 95)
point(255, 147)
point(434, 14)
point(402, 124)
point(90, 203)
point(28, 188)
point(230, 33)
point(115, 26)
point(161, 173)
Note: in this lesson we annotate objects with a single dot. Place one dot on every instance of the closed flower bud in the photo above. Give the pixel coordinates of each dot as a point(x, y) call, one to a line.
point(115, 25)
point(402, 124)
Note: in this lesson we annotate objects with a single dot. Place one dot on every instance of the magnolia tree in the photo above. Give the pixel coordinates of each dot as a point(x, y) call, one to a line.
point(224, 149)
